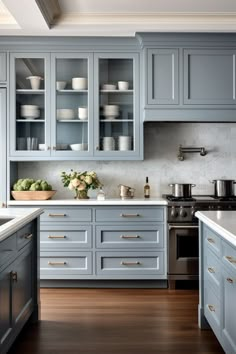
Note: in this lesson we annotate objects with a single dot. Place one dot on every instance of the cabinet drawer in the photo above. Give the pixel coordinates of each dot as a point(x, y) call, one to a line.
point(7, 250)
point(66, 214)
point(56, 265)
point(212, 309)
point(24, 236)
point(229, 255)
point(143, 236)
point(126, 215)
point(212, 270)
point(80, 238)
point(213, 241)
point(130, 263)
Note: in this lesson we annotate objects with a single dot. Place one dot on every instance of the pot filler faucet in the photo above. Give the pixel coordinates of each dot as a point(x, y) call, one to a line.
point(183, 150)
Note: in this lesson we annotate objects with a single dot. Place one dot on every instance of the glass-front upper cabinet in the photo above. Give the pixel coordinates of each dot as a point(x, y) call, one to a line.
point(29, 108)
point(116, 106)
point(71, 105)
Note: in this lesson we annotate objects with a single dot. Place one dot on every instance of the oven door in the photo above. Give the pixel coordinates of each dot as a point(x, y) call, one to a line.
point(183, 251)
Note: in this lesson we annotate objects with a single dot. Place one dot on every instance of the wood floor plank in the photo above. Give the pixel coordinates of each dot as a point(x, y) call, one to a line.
point(115, 321)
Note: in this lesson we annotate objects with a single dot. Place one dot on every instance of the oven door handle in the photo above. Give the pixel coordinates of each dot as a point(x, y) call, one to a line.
point(182, 227)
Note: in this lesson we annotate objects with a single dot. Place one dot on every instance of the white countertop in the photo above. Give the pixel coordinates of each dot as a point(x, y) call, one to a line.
point(91, 201)
point(223, 222)
point(20, 217)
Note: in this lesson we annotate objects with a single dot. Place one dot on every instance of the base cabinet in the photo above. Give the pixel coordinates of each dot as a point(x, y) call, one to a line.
point(103, 243)
point(17, 295)
point(218, 287)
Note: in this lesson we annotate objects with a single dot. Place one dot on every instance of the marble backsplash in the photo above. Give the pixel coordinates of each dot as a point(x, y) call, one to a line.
point(161, 165)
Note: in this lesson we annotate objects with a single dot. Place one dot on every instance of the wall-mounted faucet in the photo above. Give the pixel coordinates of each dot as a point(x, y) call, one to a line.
point(183, 150)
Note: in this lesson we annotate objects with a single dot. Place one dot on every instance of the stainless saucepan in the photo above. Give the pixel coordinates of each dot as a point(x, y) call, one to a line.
point(223, 187)
point(182, 190)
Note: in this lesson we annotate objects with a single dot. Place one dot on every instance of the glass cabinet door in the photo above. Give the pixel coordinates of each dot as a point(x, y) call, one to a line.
point(116, 106)
point(29, 86)
point(71, 105)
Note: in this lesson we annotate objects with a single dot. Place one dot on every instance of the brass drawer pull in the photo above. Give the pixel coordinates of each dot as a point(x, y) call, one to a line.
point(129, 215)
point(130, 263)
point(129, 236)
point(211, 240)
point(56, 263)
point(230, 259)
point(14, 276)
point(230, 280)
point(28, 236)
point(56, 236)
point(211, 308)
point(57, 215)
point(211, 270)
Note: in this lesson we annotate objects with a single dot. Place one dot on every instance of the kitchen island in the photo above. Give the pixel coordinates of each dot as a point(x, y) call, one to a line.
point(217, 247)
point(19, 279)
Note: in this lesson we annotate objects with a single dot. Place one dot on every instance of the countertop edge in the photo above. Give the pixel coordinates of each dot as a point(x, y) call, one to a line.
point(222, 231)
point(76, 202)
point(17, 222)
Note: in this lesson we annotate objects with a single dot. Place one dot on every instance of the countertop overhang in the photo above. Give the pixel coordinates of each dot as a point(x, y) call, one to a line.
point(223, 222)
point(20, 217)
point(91, 201)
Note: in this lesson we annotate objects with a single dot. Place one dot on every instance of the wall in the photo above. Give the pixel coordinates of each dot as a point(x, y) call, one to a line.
point(160, 163)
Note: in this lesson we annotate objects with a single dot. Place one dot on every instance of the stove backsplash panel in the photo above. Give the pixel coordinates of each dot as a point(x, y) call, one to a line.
point(161, 165)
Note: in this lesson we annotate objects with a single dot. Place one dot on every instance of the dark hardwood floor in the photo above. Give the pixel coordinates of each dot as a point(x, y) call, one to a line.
point(115, 321)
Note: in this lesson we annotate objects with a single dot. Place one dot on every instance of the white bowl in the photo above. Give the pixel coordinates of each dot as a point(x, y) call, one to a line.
point(42, 147)
point(35, 81)
point(79, 83)
point(108, 87)
point(83, 113)
point(65, 113)
point(61, 85)
point(79, 147)
point(123, 85)
point(111, 111)
point(29, 111)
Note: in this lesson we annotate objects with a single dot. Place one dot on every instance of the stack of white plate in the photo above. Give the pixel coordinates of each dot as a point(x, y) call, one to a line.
point(30, 111)
point(124, 142)
point(108, 143)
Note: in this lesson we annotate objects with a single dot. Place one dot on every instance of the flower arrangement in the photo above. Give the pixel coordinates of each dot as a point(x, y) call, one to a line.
point(81, 182)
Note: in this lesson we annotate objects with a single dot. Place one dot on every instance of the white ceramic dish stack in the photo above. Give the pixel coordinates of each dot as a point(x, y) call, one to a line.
point(108, 87)
point(79, 83)
point(124, 143)
point(110, 111)
point(108, 143)
point(29, 111)
point(65, 114)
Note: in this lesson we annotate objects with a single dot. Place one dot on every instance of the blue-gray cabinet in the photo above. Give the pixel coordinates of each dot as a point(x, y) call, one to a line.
point(80, 110)
point(3, 143)
point(209, 77)
point(100, 242)
point(218, 287)
point(3, 67)
point(18, 295)
point(162, 77)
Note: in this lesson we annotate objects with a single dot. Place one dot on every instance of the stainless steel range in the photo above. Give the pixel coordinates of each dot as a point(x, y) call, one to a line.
point(183, 233)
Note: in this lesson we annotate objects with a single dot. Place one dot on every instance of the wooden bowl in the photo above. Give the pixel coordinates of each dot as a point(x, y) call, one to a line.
point(32, 195)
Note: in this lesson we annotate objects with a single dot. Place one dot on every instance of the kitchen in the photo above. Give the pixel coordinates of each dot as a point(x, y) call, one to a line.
point(169, 115)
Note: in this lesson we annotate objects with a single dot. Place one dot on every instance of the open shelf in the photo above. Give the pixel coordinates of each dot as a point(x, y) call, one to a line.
point(30, 92)
point(30, 120)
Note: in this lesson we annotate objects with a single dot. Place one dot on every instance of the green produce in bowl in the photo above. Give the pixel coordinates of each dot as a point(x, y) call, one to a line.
point(29, 184)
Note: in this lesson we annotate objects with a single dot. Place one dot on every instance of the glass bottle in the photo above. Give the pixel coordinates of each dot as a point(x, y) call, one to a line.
point(147, 189)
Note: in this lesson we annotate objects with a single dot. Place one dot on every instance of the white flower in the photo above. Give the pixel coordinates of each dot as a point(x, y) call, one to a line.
point(88, 179)
point(71, 187)
point(82, 186)
point(75, 182)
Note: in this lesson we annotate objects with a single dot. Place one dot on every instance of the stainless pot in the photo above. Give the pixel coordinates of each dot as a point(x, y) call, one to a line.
point(223, 187)
point(182, 190)
point(126, 192)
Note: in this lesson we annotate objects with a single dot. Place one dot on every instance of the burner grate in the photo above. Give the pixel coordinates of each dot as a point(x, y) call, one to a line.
point(179, 199)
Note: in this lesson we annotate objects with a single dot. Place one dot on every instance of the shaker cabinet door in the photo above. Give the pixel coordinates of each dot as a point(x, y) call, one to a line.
point(162, 77)
point(209, 77)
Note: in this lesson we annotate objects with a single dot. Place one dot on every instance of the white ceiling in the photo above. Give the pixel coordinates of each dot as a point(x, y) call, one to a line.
point(115, 17)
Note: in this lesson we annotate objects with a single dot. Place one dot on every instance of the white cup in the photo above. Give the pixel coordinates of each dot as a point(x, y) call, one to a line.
point(83, 113)
point(42, 147)
point(123, 85)
point(35, 82)
point(79, 83)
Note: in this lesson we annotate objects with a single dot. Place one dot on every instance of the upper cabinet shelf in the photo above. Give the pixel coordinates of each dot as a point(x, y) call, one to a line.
point(72, 108)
